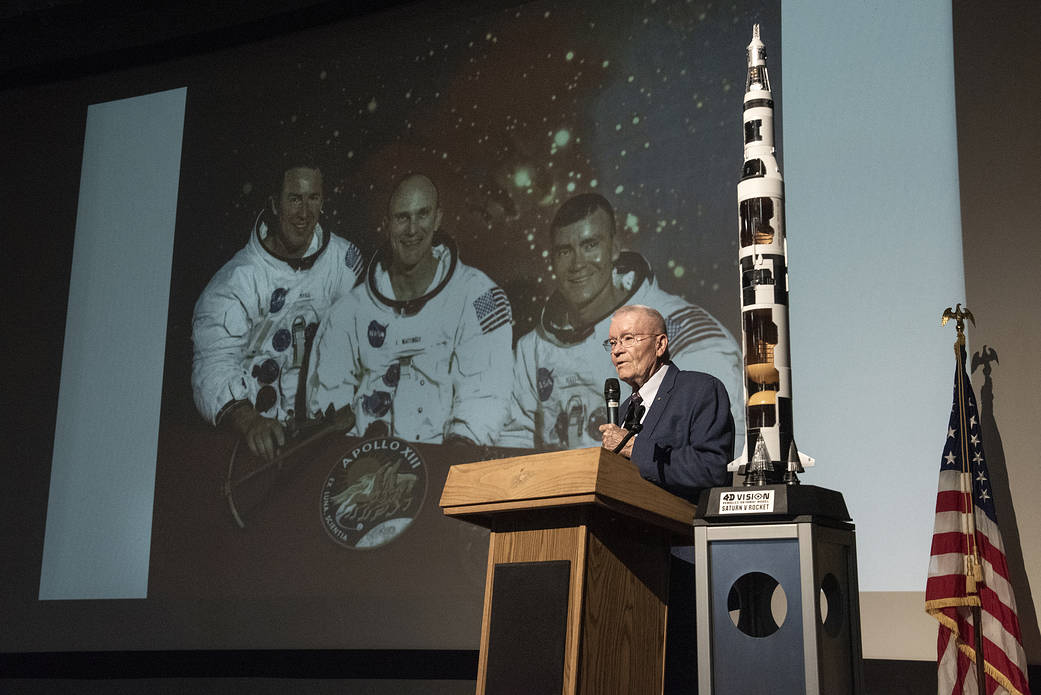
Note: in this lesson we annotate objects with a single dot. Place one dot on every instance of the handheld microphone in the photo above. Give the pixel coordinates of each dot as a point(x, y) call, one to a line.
point(612, 393)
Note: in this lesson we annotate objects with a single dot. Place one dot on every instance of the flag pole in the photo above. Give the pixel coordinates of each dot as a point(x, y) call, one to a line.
point(973, 567)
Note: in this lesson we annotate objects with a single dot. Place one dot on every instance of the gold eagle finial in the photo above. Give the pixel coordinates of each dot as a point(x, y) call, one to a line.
point(959, 315)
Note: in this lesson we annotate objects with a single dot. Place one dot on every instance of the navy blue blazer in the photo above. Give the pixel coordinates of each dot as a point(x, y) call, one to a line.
point(688, 435)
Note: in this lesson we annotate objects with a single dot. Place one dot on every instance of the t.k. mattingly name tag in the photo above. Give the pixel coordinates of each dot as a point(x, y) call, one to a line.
point(746, 502)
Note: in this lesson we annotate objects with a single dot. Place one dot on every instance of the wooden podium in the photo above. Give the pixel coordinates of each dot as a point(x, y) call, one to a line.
point(578, 570)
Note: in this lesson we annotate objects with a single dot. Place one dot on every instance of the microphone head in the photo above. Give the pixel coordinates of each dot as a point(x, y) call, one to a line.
point(612, 391)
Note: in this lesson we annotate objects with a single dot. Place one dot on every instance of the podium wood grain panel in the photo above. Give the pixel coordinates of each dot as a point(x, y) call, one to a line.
point(626, 598)
point(539, 545)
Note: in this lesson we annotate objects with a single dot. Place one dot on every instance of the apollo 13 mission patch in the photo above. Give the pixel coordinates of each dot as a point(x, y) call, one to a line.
point(373, 493)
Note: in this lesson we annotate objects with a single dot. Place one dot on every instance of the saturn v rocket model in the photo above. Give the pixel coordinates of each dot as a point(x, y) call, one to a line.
point(770, 454)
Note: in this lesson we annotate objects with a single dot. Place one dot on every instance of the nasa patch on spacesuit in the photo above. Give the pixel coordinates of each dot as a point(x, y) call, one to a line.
point(373, 493)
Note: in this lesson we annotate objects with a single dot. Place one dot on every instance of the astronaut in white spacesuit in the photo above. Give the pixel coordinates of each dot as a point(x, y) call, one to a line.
point(421, 349)
point(559, 370)
point(254, 322)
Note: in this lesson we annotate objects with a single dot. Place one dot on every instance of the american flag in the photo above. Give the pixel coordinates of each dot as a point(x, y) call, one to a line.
point(968, 568)
point(493, 310)
point(691, 325)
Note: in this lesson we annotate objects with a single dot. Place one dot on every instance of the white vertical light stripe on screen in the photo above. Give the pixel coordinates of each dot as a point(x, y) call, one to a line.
point(99, 510)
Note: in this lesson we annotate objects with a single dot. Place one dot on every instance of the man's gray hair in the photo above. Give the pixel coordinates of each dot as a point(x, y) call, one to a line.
point(646, 311)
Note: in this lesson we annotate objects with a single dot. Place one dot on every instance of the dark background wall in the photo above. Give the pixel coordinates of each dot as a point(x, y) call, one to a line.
point(1000, 189)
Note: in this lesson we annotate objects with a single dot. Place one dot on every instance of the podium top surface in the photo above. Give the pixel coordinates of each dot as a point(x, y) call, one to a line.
point(592, 476)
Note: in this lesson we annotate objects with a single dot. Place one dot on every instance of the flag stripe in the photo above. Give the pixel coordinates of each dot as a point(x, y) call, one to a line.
point(950, 542)
point(1006, 617)
point(997, 658)
point(993, 556)
point(952, 501)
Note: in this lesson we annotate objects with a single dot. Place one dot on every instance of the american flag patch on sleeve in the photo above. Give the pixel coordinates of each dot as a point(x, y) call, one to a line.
point(354, 260)
point(493, 310)
point(691, 325)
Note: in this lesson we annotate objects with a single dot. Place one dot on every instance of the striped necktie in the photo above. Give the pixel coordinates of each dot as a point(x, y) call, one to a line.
point(634, 413)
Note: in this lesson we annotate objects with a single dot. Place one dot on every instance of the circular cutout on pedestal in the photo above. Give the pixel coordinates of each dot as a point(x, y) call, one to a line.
point(757, 604)
point(831, 603)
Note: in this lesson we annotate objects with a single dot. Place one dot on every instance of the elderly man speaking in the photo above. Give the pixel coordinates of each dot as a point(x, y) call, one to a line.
point(688, 431)
point(684, 446)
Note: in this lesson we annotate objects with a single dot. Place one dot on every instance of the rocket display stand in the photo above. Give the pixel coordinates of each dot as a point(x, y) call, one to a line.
point(753, 638)
point(578, 571)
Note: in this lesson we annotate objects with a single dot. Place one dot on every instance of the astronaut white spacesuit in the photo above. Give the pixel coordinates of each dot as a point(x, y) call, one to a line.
point(559, 371)
point(253, 322)
point(425, 370)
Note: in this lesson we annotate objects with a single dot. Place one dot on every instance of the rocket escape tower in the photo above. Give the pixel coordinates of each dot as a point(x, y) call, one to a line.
point(770, 453)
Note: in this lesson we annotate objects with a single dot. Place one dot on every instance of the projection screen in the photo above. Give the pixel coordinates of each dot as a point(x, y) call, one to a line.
point(510, 110)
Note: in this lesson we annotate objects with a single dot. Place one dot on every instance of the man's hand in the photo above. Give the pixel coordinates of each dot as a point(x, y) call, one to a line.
point(263, 435)
point(454, 439)
point(612, 435)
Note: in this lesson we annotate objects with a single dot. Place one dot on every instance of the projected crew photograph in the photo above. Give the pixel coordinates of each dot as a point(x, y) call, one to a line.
point(399, 244)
